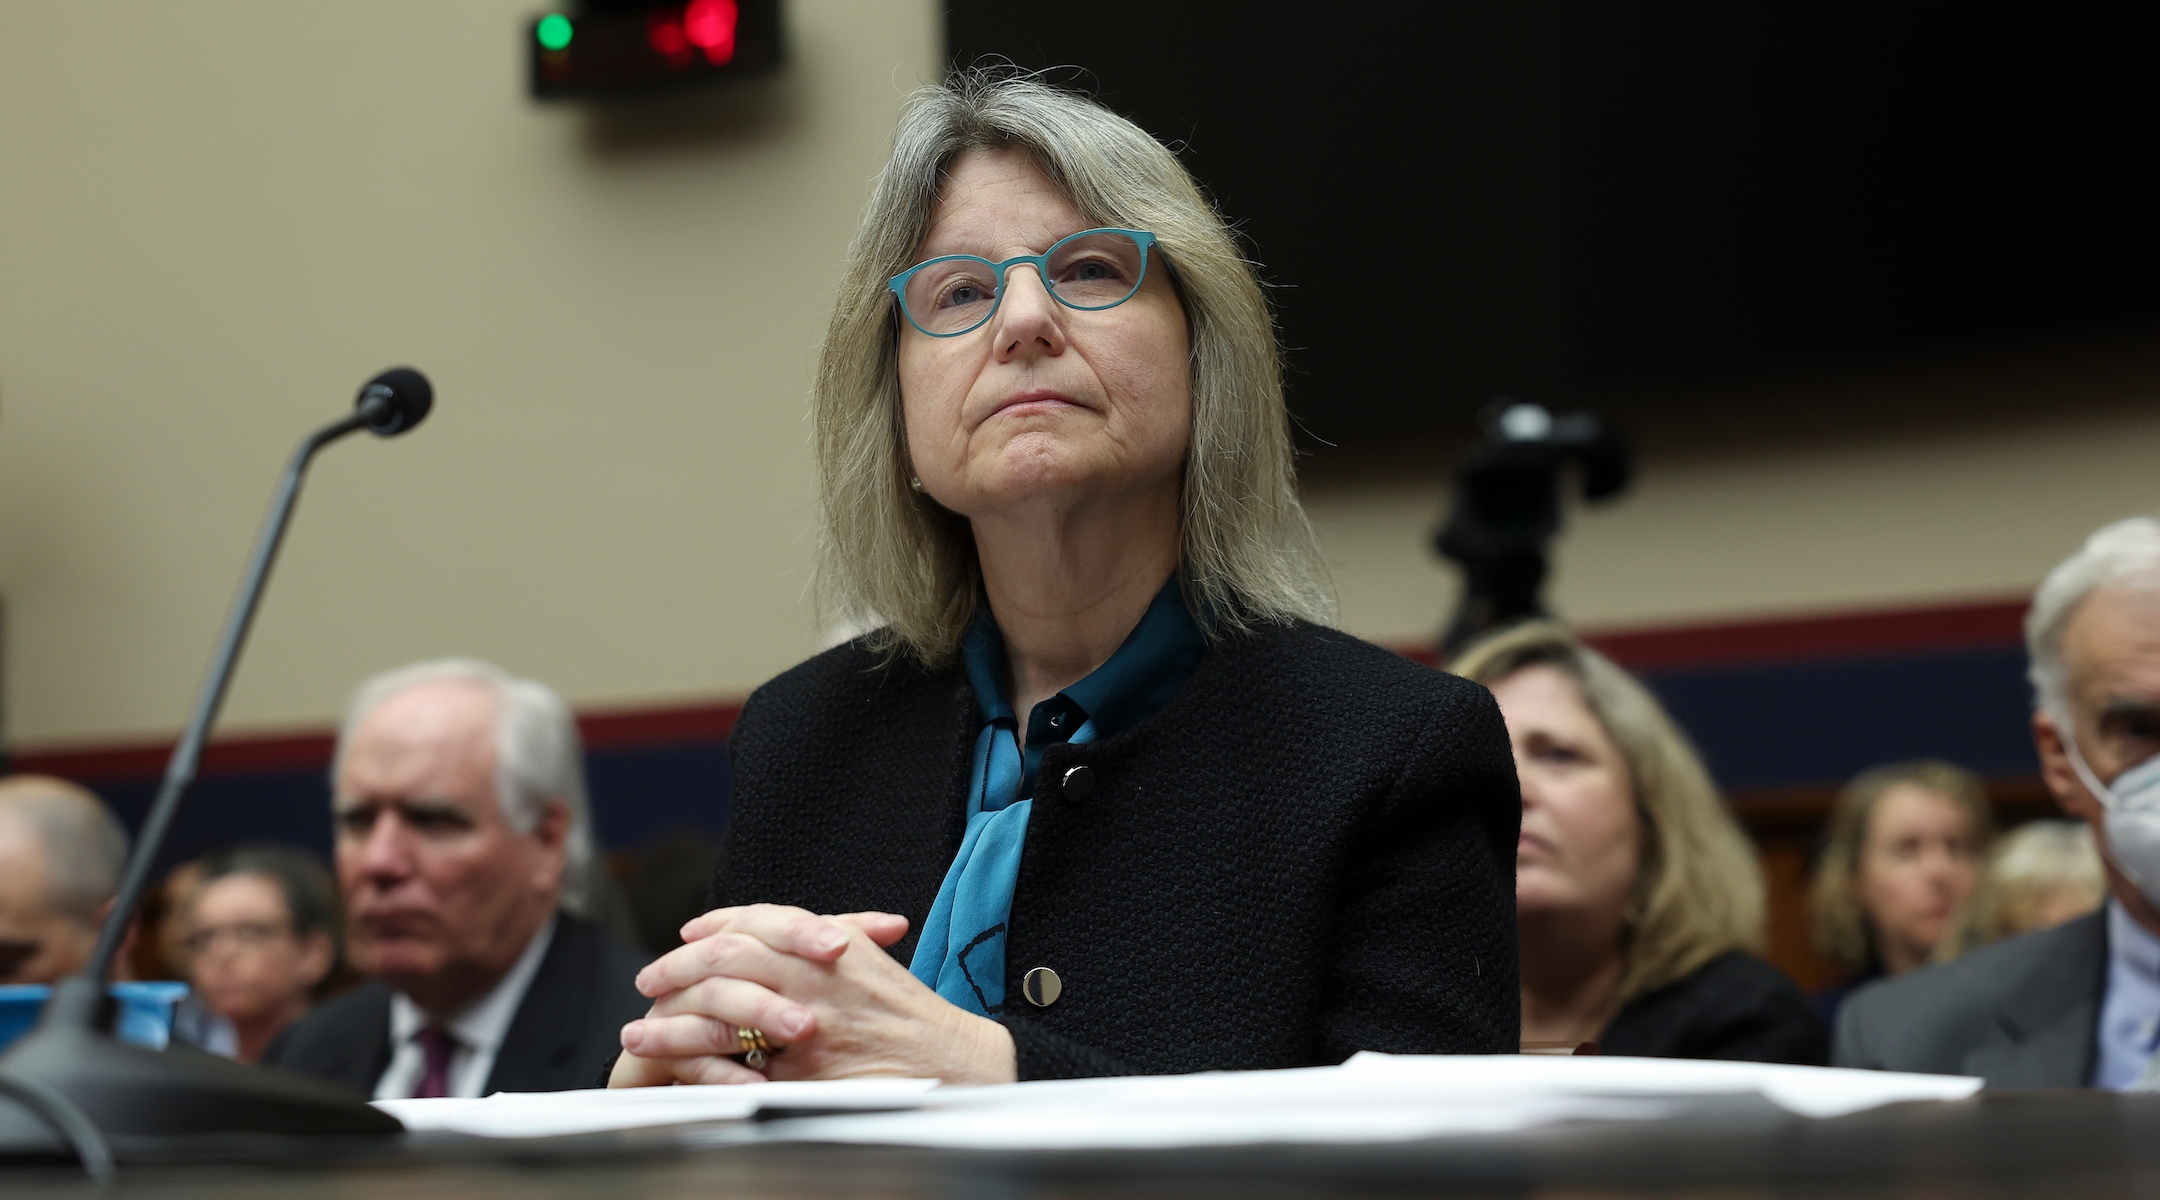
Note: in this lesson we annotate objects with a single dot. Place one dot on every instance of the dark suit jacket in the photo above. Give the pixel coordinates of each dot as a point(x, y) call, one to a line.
point(568, 1025)
point(2020, 1013)
point(1733, 1007)
point(1309, 850)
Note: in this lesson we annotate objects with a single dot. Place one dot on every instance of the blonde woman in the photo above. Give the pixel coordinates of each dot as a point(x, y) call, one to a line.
point(2039, 875)
point(1640, 901)
point(1902, 858)
point(1100, 793)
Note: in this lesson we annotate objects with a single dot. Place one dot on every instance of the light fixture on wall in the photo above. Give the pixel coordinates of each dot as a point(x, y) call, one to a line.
point(612, 47)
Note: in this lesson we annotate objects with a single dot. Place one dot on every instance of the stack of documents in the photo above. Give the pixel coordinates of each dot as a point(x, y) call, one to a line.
point(556, 1114)
point(1371, 1098)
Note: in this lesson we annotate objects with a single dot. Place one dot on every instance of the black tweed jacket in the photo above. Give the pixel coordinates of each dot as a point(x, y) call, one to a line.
point(1309, 851)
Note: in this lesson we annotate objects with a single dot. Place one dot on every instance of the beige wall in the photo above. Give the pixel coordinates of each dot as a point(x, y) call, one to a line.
point(1959, 477)
point(218, 219)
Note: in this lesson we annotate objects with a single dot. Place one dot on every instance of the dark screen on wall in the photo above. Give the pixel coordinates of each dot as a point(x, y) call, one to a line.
point(1553, 200)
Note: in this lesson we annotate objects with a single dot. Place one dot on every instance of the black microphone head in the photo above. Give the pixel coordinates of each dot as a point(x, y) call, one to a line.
point(401, 398)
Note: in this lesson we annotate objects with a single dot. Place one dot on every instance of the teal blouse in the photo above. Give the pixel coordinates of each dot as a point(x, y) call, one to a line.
point(962, 951)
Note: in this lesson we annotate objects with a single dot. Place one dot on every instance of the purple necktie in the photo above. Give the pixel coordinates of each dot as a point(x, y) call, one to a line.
point(435, 1048)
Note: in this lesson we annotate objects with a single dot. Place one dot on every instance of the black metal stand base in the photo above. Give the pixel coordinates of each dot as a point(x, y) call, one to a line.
point(69, 1090)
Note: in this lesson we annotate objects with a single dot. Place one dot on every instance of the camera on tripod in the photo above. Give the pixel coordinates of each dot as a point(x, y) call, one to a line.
point(1507, 508)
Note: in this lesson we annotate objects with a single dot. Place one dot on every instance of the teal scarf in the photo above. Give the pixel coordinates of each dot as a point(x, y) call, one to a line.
point(962, 950)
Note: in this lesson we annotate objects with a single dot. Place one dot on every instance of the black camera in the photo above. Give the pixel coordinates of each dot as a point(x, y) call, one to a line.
point(1507, 508)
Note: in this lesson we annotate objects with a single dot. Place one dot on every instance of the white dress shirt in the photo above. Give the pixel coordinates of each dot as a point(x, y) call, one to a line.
point(2130, 1015)
point(479, 1030)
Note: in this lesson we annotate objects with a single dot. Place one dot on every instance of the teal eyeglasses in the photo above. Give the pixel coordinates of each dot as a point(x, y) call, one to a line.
point(1090, 271)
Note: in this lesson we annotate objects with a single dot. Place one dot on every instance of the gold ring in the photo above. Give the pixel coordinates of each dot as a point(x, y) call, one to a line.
point(756, 1051)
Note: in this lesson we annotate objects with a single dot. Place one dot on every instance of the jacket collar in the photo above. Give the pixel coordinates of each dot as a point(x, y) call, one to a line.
point(358, 1059)
point(2048, 1025)
point(543, 1036)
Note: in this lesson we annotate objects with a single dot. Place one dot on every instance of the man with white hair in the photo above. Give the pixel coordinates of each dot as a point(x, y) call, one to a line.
point(61, 854)
point(459, 797)
point(2077, 1005)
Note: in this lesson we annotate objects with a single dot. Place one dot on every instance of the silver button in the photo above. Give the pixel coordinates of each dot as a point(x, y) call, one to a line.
point(1077, 784)
point(1042, 987)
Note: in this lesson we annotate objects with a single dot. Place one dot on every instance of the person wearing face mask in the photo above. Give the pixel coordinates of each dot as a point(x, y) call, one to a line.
point(1902, 859)
point(2078, 1004)
point(1639, 900)
point(1100, 793)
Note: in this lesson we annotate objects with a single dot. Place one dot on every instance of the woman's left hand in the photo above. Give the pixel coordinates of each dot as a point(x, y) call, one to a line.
point(821, 987)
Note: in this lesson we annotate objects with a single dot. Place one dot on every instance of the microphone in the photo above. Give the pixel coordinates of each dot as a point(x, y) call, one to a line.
point(395, 401)
point(73, 1085)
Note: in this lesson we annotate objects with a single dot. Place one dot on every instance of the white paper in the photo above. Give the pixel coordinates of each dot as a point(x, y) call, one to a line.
point(1322, 1105)
point(1807, 1091)
point(599, 1110)
point(1372, 1098)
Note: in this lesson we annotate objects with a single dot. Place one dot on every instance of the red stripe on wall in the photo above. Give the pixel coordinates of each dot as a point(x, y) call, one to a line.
point(134, 761)
point(675, 726)
point(1986, 625)
point(619, 729)
point(1983, 625)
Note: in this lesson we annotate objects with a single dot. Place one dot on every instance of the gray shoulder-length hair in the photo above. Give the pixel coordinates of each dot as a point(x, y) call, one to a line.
point(891, 557)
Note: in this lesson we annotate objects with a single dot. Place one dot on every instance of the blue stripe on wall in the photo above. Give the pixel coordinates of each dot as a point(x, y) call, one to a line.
point(1822, 722)
point(641, 795)
point(1758, 726)
point(638, 796)
point(274, 806)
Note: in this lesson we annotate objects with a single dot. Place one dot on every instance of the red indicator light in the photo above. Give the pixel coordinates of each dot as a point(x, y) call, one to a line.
point(624, 47)
point(710, 26)
point(665, 35)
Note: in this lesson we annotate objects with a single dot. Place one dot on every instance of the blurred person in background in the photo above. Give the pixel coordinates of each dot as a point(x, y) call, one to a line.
point(160, 950)
point(464, 855)
point(1639, 900)
point(262, 940)
point(2077, 1005)
point(2040, 875)
point(665, 885)
point(61, 854)
point(1902, 858)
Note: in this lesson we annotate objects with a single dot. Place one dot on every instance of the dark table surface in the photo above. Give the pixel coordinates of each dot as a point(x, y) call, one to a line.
point(2006, 1144)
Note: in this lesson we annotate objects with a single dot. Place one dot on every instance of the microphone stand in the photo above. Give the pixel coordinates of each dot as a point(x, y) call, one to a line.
point(187, 755)
point(74, 1086)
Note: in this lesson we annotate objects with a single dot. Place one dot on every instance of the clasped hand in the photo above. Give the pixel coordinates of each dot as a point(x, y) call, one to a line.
point(822, 987)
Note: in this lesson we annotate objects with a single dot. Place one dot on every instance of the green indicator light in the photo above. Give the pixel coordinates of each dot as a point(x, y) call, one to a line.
point(554, 31)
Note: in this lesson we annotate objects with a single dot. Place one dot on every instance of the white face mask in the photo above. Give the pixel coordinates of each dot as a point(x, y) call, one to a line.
point(2133, 815)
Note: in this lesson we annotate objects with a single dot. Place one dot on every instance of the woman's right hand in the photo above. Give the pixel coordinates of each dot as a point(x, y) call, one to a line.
point(814, 939)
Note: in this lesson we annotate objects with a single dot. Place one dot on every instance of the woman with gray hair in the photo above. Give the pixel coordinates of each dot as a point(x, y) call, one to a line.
point(1099, 793)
